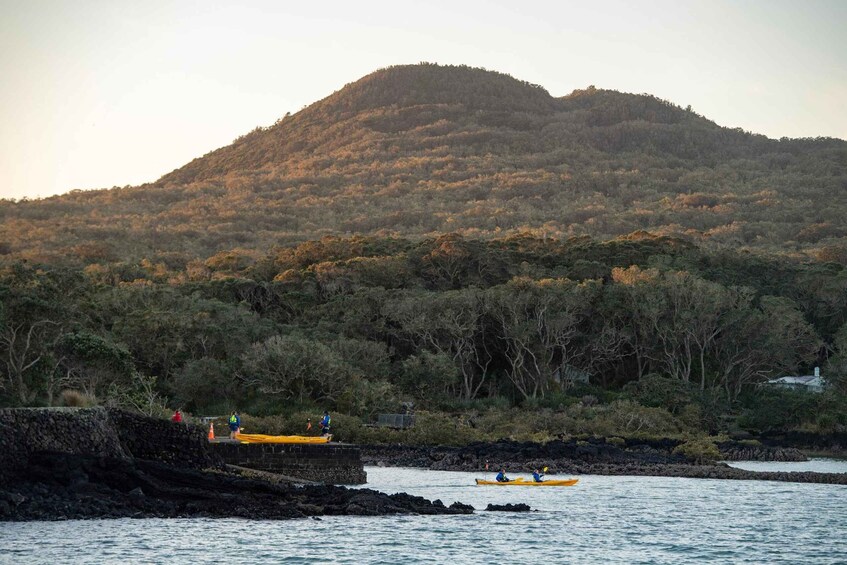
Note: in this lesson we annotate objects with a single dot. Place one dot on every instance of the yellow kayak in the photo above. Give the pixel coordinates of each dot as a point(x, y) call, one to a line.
point(520, 482)
point(260, 438)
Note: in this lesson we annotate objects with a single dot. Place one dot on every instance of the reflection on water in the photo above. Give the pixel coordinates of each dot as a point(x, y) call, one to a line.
point(601, 520)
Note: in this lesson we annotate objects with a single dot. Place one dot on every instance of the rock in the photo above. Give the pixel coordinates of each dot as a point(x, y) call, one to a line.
point(462, 508)
point(736, 451)
point(508, 507)
point(97, 463)
point(139, 488)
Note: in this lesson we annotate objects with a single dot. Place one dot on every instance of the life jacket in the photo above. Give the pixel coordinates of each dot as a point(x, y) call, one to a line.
point(326, 420)
point(233, 419)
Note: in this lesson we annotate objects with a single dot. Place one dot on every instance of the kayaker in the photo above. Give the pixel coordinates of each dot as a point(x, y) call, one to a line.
point(501, 477)
point(538, 476)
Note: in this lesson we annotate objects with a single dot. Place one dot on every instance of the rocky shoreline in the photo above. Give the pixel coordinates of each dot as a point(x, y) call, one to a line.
point(97, 463)
point(59, 486)
point(577, 458)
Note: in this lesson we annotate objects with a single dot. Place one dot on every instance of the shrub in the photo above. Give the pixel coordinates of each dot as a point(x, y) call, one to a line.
point(699, 450)
point(616, 441)
point(661, 392)
point(77, 399)
point(778, 409)
point(492, 404)
point(365, 398)
point(203, 381)
point(629, 418)
point(432, 428)
point(750, 442)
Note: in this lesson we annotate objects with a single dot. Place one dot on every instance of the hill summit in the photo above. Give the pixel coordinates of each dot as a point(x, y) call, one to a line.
point(420, 150)
point(392, 100)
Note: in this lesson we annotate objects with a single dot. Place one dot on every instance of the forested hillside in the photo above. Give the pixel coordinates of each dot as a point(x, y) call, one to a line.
point(422, 150)
point(674, 339)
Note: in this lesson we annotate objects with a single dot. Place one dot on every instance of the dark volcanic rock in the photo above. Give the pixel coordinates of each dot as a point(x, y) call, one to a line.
point(832, 443)
point(95, 463)
point(508, 507)
point(738, 451)
point(520, 455)
point(58, 486)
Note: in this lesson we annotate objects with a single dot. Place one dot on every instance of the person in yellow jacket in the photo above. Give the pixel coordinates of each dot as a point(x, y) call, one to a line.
point(234, 424)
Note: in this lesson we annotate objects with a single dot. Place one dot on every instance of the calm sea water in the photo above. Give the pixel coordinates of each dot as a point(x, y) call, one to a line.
point(601, 520)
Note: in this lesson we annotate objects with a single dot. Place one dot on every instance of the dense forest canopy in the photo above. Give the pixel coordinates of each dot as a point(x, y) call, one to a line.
point(364, 324)
point(425, 149)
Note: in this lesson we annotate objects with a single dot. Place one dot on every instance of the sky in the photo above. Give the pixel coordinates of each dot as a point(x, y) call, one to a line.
point(103, 93)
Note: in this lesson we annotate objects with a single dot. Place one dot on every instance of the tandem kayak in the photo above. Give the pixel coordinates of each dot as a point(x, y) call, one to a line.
point(520, 482)
point(260, 438)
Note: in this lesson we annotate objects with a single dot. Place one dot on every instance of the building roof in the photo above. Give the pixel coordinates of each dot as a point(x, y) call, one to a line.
point(806, 380)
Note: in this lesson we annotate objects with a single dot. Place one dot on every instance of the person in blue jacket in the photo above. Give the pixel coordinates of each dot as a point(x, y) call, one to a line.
point(538, 476)
point(501, 477)
point(325, 423)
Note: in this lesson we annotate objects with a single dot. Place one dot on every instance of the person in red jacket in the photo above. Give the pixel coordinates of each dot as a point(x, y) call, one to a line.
point(177, 417)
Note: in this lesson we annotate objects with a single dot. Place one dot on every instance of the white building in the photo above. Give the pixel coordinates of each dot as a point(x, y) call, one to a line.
point(811, 383)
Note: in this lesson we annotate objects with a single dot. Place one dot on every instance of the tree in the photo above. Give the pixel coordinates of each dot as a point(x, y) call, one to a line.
point(681, 314)
point(90, 362)
point(293, 366)
point(537, 324)
point(451, 324)
point(763, 341)
point(34, 307)
point(428, 376)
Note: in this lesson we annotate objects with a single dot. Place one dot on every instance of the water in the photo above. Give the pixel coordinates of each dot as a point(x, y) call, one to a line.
point(819, 465)
point(601, 520)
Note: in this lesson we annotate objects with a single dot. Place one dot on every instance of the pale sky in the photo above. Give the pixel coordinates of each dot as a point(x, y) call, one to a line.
point(102, 93)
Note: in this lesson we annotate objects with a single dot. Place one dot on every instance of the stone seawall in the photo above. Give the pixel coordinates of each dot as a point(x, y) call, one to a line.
point(80, 431)
point(98, 432)
point(325, 463)
point(154, 439)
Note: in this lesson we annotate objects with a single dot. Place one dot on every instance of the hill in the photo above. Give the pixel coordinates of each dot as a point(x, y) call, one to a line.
point(425, 149)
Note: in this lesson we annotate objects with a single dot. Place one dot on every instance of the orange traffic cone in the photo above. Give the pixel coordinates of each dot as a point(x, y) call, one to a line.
point(211, 431)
